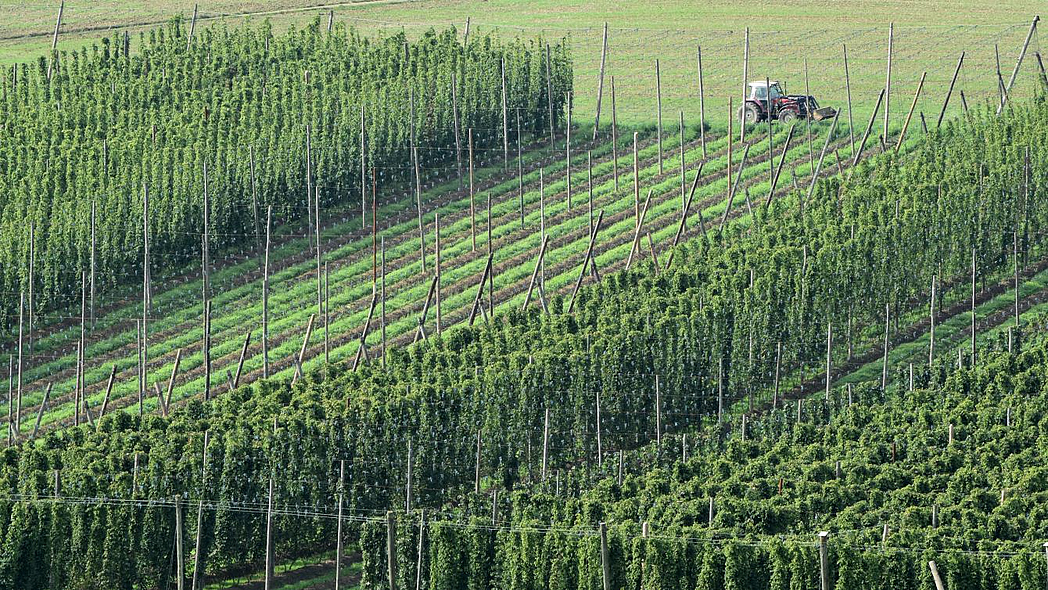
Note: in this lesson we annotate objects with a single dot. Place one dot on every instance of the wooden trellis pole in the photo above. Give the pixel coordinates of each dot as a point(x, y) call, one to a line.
point(733, 188)
point(109, 390)
point(684, 215)
point(145, 281)
point(909, 115)
point(54, 41)
point(545, 444)
point(869, 127)
point(338, 533)
point(807, 119)
point(302, 351)
point(658, 108)
point(778, 169)
point(270, 547)
point(240, 362)
point(92, 263)
point(362, 349)
point(683, 181)
point(973, 307)
point(535, 273)
point(420, 331)
point(192, 28)
point(949, 91)
point(383, 295)
point(931, 323)
point(478, 300)
point(1018, 62)
point(600, 79)
point(637, 229)
point(43, 408)
point(822, 156)
point(586, 261)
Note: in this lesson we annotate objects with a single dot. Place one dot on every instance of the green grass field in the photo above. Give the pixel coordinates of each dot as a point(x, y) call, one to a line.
point(929, 37)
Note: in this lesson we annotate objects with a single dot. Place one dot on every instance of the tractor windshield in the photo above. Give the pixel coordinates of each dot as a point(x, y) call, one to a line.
point(775, 93)
point(760, 92)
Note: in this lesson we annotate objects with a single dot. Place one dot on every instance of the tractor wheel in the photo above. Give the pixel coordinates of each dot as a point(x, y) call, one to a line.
point(787, 117)
point(749, 114)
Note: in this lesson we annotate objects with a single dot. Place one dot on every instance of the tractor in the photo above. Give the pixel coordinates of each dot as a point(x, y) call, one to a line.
point(784, 107)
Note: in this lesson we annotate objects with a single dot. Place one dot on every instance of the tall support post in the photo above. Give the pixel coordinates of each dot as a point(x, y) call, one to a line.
point(847, 84)
point(935, 575)
point(730, 142)
point(198, 556)
point(192, 28)
point(909, 115)
point(869, 128)
point(391, 550)
point(338, 527)
point(265, 296)
point(605, 560)
point(270, 549)
point(1019, 62)
point(824, 562)
point(949, 92)
point(658, 108)
point(884, 365)
point(888, 79)
point(180, 573)
point(600, 79)
point(745, 79)
point(614, 137)
point(702, 106)
point(54, 42)
point(472, 203)
point(505, 119)
point(771, 138)
point(822, 156)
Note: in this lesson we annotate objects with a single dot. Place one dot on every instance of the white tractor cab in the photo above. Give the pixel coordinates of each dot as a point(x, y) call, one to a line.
point(769, 99)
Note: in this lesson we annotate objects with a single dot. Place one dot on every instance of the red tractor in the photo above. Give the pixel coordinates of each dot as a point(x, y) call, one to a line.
point(784, 107)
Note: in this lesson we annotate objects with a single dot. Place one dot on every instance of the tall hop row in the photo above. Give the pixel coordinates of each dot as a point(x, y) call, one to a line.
point(119, 116)
point(690, 325)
